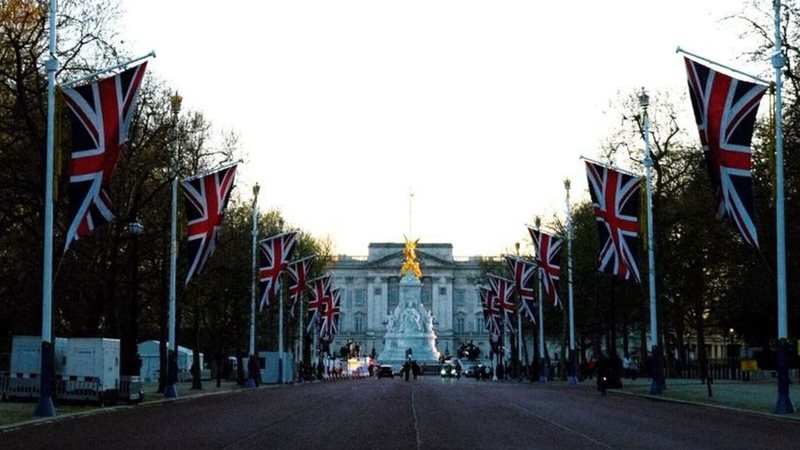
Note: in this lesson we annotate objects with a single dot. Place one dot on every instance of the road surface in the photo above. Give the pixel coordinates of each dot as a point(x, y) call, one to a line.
point(428, 413)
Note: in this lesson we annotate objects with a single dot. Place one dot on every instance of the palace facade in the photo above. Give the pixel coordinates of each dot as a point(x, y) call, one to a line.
point(370, 288)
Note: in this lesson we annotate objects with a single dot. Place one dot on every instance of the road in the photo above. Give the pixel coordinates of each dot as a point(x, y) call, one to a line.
point(428, 413)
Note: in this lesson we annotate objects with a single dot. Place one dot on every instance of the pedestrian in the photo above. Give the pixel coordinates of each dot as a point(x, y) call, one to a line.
point(406, 369)
point(415, 369)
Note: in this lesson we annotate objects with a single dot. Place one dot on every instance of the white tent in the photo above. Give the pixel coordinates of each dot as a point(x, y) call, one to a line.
point(148, 352)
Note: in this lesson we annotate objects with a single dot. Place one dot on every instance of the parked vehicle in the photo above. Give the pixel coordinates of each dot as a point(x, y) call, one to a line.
point(385, 370)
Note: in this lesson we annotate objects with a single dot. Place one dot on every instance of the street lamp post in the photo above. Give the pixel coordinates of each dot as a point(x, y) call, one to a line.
point(543, 363)
point(254, 234)
point(129, 361)
point(784, 403)
point(573, 362)
point(656, 385)
point(45, 406)
point(172, 362)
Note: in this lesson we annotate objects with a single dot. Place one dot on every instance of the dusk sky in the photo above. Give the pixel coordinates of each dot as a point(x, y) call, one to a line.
point(481, 108)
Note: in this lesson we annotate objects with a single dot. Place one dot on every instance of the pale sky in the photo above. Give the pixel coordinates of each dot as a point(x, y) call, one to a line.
point(482, 108)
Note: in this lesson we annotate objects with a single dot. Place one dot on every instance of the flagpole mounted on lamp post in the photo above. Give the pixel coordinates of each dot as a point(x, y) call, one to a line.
point(171, 390)
point(543, 362)
point(656, 385)
point(45, 406)
point(573, 362)
point(252, 349)
point(784, 403)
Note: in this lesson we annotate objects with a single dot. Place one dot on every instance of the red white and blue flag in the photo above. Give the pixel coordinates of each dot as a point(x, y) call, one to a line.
point(320, 292)
point(491, 311)
point(616, 200)
point(548, 253)
point(101, 114)
point(524, 281)
point(298, 277)
point(329, 316)
point(274, 253)
point(504, 289)
point(725, 109)
point(206, 199)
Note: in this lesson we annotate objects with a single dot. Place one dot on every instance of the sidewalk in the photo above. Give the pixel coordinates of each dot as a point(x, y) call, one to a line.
point(752, 396)
point(15, 413)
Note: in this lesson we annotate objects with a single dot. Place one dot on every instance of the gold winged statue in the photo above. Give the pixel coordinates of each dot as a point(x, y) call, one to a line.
point(410, 264)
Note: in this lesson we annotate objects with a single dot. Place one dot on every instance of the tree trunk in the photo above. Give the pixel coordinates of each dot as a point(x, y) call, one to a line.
point(702, 357)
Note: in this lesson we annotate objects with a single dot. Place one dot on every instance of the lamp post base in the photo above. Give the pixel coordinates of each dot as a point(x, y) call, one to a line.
point(573, 368)
point(171, 391)
point(45, 407)
point(784, 403)
point(656, 387)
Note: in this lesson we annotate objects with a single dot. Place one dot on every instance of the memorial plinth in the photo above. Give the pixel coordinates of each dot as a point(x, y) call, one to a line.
point(409, 331)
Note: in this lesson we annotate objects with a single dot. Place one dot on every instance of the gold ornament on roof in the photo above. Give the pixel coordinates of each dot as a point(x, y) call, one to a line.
point(410, 264)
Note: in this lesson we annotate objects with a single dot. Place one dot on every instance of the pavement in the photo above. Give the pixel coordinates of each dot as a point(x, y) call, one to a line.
point(758, 396)
point(19, 414)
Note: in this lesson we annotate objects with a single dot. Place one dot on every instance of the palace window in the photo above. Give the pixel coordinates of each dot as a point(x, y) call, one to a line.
point(360, 297)
point(359, 322)
point(458, 298)
point(461, 320)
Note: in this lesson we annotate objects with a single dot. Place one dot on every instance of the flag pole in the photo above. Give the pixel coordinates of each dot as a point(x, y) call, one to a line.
point(610, 166)
point(171, 390)
point(72, 83)
point(45, 406)
point(280, 330)
point(542, 362)
point(784, 403)
point(656, 387)
point(254, 233)
point(695, 56)
point(302, 330)
point(573, 363)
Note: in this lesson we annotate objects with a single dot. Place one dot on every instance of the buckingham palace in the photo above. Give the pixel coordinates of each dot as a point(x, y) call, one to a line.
point(370, 292)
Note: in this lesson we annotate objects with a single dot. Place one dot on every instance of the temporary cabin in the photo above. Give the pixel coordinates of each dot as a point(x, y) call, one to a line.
point(150, 356)
point(91, 371)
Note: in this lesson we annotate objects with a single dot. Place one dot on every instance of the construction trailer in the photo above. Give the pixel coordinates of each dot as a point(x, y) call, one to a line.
point(86, 370)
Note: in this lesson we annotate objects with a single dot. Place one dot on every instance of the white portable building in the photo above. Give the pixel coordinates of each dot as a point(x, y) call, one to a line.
point(149, 354)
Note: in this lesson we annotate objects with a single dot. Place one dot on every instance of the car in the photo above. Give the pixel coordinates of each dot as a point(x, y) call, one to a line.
point(471, 370)
point(385, 370)
point(449, 371)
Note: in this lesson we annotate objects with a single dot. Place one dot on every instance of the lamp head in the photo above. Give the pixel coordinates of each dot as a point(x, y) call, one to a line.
point(644, 99)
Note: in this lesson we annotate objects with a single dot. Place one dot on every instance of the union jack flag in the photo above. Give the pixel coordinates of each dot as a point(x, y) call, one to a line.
point(615, 196)
point(274, 254)
point(504, 289)
point(548, 249)
point(206, 199)
point(725, 109)
point(491, 311)
point(101, 114)
point(329, 326)
point(298, 274)
point(523, 283)
point(320, 294)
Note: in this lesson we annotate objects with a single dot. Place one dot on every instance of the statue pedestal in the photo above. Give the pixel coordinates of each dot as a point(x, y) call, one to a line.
point(410, 328)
